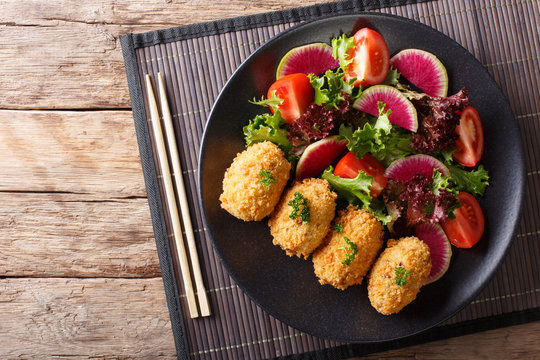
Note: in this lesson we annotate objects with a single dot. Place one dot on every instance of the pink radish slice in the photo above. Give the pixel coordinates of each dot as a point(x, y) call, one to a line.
point(317, 156)
point(404, 169)
point(439, 248)
point(423, 69)
point(403, 111)
point(313, 58)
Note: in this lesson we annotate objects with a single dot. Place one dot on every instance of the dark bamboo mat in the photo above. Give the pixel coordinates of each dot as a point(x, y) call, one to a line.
point(197, 60)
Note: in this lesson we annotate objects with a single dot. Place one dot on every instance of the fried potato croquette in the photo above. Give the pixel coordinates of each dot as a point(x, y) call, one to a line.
point(398, 274)
point(254, 182)
point(349, 249)
point(302, 217)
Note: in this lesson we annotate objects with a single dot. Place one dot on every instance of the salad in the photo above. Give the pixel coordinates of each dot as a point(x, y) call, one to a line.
point(307, 108)
point(385, 135)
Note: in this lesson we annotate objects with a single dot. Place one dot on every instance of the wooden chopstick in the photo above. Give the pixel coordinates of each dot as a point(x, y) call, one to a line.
point(182, 198)
point(171, 202)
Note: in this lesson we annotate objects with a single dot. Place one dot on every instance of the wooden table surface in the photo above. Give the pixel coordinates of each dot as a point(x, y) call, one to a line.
point(79, 273)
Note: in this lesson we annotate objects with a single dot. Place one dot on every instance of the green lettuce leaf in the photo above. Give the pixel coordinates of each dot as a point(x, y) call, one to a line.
point(383, 140)
point(340, 50)
point(392, 78)
point(442, 182)
point(474, 181)
point(397, 145)
point(329, 88)
point(274, 101)
point(267, 127)
point(378, 209)
point(445, 155)
point(357, 192)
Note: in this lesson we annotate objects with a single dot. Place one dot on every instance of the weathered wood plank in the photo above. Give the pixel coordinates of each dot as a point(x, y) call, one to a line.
point(87, 163)
point(141, 12)
point(52, 50)
point(63, 235)
point(92, 152)
point(46, 67)
point(128, 318)
point(84, 318)
point(513, 342)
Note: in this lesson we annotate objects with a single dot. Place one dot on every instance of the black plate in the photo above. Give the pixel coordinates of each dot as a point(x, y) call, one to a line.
point(287, 287)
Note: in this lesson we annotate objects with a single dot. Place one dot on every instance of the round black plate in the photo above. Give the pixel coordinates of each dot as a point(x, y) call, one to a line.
point(286, 287)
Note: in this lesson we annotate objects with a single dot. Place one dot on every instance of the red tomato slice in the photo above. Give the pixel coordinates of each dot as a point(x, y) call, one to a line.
point(468, 227)
point(470, 144)
point(349, 166)
point(296, 92)
point(371, 58)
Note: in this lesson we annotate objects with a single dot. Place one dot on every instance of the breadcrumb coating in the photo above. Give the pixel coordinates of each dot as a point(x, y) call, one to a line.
point(410, 254)
point(362, 229)
point(244, 195)
point(295, 236)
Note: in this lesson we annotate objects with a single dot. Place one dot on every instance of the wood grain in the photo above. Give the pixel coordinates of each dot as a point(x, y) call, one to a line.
point(79, 275)
point(514, 342)
point(70, 235)
point(49, 65)
point(63, 46)
point(90, 153)
point(84, 318)
point(128, 318)
point(140, 12)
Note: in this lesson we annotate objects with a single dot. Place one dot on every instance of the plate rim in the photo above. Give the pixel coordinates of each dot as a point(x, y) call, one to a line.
point(519, 201)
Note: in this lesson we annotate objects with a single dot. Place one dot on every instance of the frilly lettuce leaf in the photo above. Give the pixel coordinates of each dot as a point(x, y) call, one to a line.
point(441, 182)
point(341, 47)
point(273, 102)
point(474, 181)
point(383, 140)
point(357, 192)
point(267, 127)
point(330, 87)
point(392, 78)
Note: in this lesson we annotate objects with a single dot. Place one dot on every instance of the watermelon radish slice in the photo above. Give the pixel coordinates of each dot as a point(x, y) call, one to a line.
point(439, 248)
point(403, 111)
point(317, 156)
point(422, 69)
point(313, 58)
point(404, 169)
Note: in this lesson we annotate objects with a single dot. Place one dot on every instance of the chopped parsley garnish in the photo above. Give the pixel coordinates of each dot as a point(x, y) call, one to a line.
point(351, 249)
point(266, 178)
point(300, 208)
point(338, 228)
point(401, 275)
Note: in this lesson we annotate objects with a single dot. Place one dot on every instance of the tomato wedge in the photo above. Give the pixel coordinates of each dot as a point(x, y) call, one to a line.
point(468, 227)
point(371, 58)
point(470, 144)
point(349, 166)
point(296, 92)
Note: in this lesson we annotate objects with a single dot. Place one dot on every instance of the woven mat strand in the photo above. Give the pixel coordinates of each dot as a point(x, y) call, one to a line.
point(503, 35)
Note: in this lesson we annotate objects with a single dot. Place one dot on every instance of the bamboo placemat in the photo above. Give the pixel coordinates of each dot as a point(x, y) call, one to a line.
point(197, 60)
